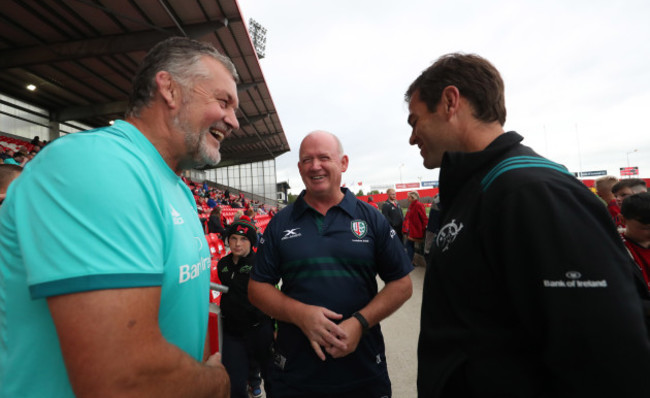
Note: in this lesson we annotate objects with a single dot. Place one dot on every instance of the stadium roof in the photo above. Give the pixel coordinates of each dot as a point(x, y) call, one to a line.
point(82, 54)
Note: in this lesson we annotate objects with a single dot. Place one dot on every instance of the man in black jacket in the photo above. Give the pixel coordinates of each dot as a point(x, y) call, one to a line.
point(530, 292)
point(393, 212)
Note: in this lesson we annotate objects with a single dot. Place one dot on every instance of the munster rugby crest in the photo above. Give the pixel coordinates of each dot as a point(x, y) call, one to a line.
point(448, 234)
point(359, 228)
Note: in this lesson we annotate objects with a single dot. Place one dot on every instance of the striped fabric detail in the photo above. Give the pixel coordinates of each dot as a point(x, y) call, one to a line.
point(94, 282)
point(320, 267)
point(519, 162)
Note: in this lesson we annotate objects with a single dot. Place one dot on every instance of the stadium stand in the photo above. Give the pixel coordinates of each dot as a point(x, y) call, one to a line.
point(14, 144)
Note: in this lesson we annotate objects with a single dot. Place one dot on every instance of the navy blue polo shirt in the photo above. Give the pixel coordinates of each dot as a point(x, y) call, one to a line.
point(330, 261)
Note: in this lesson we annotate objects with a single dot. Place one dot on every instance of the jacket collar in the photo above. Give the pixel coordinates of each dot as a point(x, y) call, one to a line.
point(459, 167)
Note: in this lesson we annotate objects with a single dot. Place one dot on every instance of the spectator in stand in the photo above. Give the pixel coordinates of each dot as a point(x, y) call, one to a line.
point(393, 213)
point(215, 222)
point(529, 292)
point(8, 173)
point(238, 215)
point(415, 224)
point(36, 141)
point(114, 302)
point(603, 186)
point(372, 203)
point(328, 248)
point(19, 159)
point(8, 153)
point(247, 331)
point(250, 213)
point(211, 202)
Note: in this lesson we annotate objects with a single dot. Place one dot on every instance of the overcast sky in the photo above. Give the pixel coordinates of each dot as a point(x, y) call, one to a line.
point(577, 76)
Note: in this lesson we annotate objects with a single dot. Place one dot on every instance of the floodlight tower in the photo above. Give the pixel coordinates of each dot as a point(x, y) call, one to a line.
point(258, 36)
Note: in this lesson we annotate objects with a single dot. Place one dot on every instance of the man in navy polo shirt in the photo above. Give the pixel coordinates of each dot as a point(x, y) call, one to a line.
point(327, 248)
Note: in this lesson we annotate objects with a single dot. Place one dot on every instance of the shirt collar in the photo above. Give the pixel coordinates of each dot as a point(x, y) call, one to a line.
point(347, 204)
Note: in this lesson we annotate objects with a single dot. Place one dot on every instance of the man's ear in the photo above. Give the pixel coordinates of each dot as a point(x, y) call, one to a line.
point(450, 100)
point(344, 161)
point(168, 89)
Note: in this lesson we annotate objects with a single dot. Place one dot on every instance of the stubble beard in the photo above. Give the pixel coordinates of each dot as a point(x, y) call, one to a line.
point(196, 143)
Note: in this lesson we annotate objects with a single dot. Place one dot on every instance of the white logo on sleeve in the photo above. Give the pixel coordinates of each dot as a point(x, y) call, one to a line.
point(291, 233)
point(176, 216)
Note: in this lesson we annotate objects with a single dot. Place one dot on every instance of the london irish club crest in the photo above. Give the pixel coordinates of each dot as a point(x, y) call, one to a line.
point(359, 228)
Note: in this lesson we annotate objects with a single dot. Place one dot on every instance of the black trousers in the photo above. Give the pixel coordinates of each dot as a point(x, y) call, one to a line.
point(243, 351)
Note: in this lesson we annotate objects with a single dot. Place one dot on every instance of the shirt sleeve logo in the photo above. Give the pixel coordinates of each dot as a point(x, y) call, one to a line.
point(291, 233)
point(176, 216)
point(359, 228)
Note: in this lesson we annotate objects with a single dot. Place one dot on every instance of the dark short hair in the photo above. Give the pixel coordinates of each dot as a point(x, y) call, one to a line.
point(475, 78)
point(637, 207)
point(627, 183)
point(180, 57)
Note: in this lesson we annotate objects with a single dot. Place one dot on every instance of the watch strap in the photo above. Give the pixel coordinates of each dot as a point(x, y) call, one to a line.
point(362, 320)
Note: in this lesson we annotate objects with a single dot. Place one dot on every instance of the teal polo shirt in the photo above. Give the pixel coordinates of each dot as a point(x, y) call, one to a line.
point(95, 210)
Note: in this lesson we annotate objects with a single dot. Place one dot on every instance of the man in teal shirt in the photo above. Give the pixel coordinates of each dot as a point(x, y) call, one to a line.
point(104, 268)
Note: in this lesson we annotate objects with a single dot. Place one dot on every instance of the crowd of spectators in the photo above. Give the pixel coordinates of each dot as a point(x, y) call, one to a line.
point(218, 208)
point(19, 152)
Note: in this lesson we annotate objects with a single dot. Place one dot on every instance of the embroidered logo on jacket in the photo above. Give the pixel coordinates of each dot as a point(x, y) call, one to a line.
point(448, 234)
point(359, 228)
point(291, 233)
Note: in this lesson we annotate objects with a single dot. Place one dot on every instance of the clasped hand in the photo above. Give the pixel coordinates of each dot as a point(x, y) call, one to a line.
point(318, 324)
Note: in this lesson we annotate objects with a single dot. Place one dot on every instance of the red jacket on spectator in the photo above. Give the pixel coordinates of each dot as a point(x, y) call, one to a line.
point(415, 222)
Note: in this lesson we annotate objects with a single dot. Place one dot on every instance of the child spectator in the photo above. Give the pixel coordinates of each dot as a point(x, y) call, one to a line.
point(635, 212)
point(622, 190)
point(247, 331)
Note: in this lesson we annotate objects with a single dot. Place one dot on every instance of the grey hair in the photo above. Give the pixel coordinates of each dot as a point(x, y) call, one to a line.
point(180, 57)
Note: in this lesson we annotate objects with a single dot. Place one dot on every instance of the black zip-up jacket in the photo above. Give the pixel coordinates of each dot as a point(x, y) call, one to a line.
point(237, 312)
point(529, 292)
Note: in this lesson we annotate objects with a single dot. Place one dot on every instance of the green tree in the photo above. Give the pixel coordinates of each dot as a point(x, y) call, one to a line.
point(292, 198)
point(360, 193)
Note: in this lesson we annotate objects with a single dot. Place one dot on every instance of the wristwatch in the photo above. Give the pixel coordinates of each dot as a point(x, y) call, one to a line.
point(364, 323)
